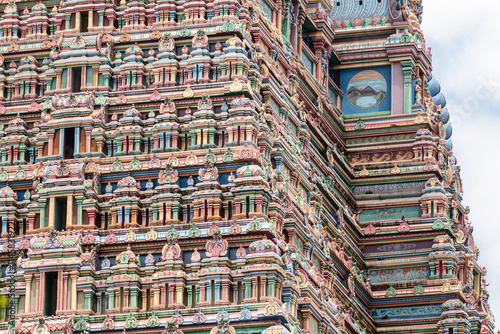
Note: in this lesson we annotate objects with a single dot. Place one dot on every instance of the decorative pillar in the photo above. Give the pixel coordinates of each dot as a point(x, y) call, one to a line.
point(271, 286)
point(217, 289)
point(190, 296)
point(67, 19)
point(263, 286)
point(248, 287)
point(156, 296)
point(74, 276)
point(27, 304)
point(43, 203)
point(91, 19)
point(179, 291)
point(111, 298)
point(77, 140)
point(52, 211)
point(79, 211)
point(88, 137)
point(197, 294)
point(408, 94)
point(209, 291)
point(77, 20)
point(88, 299)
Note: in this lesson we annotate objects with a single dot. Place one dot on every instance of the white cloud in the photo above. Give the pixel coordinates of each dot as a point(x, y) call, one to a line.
point(464, 41)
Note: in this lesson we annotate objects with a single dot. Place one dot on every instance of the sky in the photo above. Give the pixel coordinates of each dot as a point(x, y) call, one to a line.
point(465, 48)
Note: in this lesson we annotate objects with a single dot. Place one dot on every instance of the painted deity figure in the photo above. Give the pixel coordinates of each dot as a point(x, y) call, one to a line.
point(418, 91)
point(209, 172)
point(205, 103)
point(166, 43)
point(168, 106)
point(200, 40)
point(11, 7)
point(169, 175)
point(78, 42)
point(53, 55)
point(484, 327)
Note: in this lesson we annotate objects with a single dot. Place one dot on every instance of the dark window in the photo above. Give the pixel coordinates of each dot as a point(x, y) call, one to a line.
point(50, 293)
point(305, 36)
point(69, 143)
point(76, 80)
point(205, 218)
point(247, 198)
point(84, 20)
point(61, 209)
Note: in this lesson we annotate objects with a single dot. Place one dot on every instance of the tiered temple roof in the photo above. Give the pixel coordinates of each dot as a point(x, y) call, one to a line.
point(229, 166)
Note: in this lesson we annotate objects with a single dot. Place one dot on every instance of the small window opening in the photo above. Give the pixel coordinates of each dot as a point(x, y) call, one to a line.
point(61, 209)
point(84, 20)
point(50, 294)
point(76, 81)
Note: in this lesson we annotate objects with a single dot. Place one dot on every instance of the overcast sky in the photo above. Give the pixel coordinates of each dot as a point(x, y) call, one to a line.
point(465, 48)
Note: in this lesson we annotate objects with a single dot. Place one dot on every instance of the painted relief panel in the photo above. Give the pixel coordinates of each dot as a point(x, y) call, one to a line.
point(366, 90)
point(409, 312)
point(390, 213)
point(398, 275)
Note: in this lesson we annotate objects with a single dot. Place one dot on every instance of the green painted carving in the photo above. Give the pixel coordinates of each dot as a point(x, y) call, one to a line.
point(228, 156)
point(405, 38)
point(117, 166)
point(131, 321)
point(228, 26)
point(391, 292)
point(438, 224)
point(194, 231)
point(173, 233)
point(47, 104)
point(135, 164)
point(81, 324)
point(20, 174)
point(247, 172)
point(153, 320)
point(392, 213)
point(360, 125)
point(255, 225)
point(124, 259)
point(4, 176)
point(185, 32)
point(100, 99)
point(210, 158)
point(418, 289)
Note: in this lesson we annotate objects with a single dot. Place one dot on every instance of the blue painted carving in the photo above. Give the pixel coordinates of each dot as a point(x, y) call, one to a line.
point(389, 188)
point(397, 275)
point(407, 312)
point(348, 9)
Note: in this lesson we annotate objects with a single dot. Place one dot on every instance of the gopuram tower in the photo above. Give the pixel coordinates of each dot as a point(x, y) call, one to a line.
point(229, 167)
